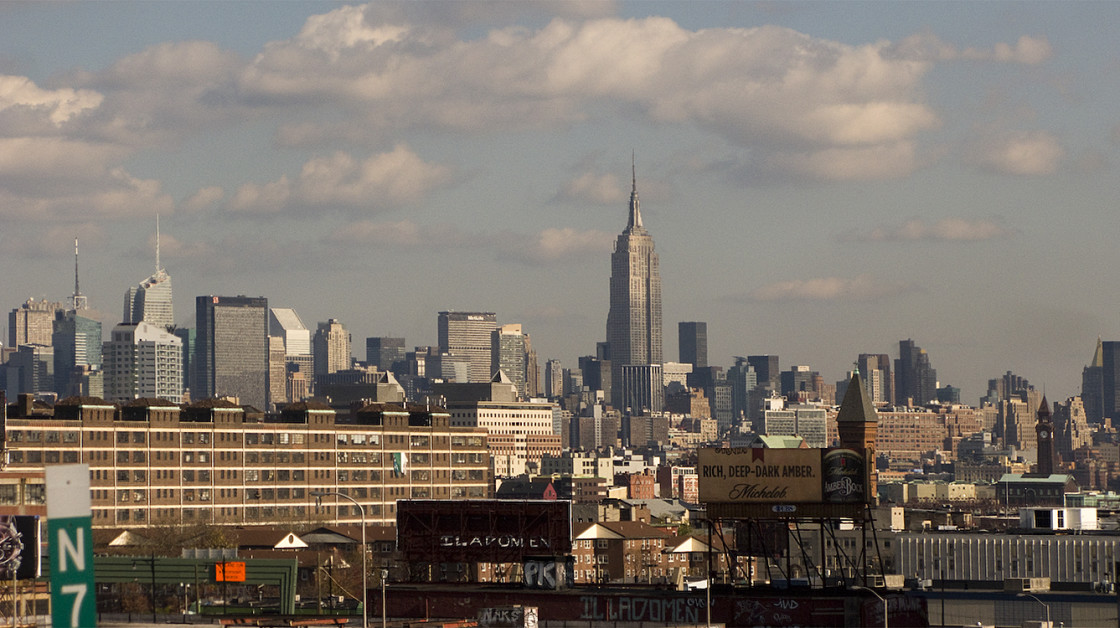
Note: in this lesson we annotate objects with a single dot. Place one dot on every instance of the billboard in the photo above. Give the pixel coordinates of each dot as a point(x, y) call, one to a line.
point(483, 530)
point(19, 547)
point(782, 479)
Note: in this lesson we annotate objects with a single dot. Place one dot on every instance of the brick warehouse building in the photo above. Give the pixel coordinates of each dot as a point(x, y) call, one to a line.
point(154, 462)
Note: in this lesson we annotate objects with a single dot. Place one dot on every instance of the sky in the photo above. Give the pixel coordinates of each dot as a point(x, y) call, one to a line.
point(820, 179)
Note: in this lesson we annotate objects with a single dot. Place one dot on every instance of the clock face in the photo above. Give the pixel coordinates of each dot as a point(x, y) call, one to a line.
point(1044, 434)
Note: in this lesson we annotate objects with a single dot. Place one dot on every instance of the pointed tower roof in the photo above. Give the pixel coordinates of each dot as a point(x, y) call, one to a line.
point(634, 224)
point(856, 407)
point(1098, 355)
point(1044, 411)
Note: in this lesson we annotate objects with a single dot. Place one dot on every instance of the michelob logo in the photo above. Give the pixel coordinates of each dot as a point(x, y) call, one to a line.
point(845, 477)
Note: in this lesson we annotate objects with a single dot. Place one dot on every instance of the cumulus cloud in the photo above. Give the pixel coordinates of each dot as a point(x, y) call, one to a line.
point(1025, 153)
point(861, 288)
point(56, 105)
point(392, 179)
point(204, 199)
point(947, 229)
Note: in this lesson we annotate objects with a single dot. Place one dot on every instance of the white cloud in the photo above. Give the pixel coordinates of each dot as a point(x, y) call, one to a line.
point(392, 179)
point(1026, 153)
point(58, 105)
point(204, 199)
point(947, 229)
point(926, 46)
point(861, 288)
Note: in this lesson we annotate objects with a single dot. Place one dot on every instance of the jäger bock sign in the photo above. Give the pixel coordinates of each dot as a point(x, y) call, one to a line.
point(781, 476)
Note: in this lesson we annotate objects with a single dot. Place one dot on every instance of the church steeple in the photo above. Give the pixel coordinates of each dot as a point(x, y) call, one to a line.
point(634, 224)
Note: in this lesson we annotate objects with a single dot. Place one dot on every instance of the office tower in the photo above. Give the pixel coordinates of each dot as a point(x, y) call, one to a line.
point(32, 323)
point(743, 380)
point(798, 379)
point(915, 379)
point(77, 349)
point(692, 341)
point(231, 356)
point(1071, 428)
point(532, 370)
point(143, 360)
point(634, 319)
point(596, 374)
point(385, 353)
point(573, 382)
point(30, 370)
point(507, 354)
point(766, 370)
point(675, 376)
point(645, 393)
point(468, 334)
point(875, 370)
point(1110, 380)
point(285, 323)
point(1091, 383)
point(150, 301)
point(331, 347)
point(553, 379)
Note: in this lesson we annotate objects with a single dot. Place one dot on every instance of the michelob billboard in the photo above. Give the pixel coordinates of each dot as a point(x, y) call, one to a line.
point(788, 480)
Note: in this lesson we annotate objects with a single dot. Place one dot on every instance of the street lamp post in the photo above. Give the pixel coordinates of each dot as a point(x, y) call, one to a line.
point(1044, 605)
point(319, 495)
point(384, 614)
point(882, 599)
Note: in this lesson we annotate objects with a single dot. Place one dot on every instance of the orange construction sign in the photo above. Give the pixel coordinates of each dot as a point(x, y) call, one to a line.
point(229, 572)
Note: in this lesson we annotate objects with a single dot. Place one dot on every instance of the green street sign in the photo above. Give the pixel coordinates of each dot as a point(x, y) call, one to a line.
point(70, 539)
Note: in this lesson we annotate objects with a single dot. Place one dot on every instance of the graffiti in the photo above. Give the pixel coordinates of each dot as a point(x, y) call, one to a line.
point(633, 608)
point(501, 617)
point(505, 541)
point(786, 604)
point(541, 575)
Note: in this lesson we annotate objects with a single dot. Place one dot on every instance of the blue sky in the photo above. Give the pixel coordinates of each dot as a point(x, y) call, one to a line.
point(821, 179)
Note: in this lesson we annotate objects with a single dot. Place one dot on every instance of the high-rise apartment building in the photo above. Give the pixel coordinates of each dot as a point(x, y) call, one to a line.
point(915, 379)
point(331, 347)
point(634, 320)
point(692, 341)
point(507, 354)
point(386, 353)
point(231, 353)
point(142, 360)
point(469, 334)
point(32, 323)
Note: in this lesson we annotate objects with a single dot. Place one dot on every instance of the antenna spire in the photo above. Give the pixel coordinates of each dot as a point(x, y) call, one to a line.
point(158, 266)
point(78, 300)
point(634, 224)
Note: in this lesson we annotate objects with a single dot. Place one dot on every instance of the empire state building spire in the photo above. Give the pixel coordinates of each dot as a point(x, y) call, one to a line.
point(634, 319)
point(634, 225)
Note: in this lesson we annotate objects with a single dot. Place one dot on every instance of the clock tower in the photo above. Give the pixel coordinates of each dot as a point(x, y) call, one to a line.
point(1044, 430)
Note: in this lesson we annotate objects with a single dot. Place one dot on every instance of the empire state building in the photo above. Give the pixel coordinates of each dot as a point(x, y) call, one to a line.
point(634, 320)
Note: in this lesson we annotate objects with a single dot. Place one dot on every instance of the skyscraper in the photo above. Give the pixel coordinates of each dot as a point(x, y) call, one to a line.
point(32, 323)
point(875, 370)
point(1091, 384)
point(151, 300)
point(468, 334)
point(507, 354)
point(284, 322)
point(77, 350)
point(386, 353)
point(634, 320)
point(915, 379)
point(231, 354)
point(1110, 379)
point(553, 379)
point(692, 341)
point(331, 347)
point(143, 361)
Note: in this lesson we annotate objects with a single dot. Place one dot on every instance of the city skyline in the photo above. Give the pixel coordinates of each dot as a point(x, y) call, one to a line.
point(822, 179)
